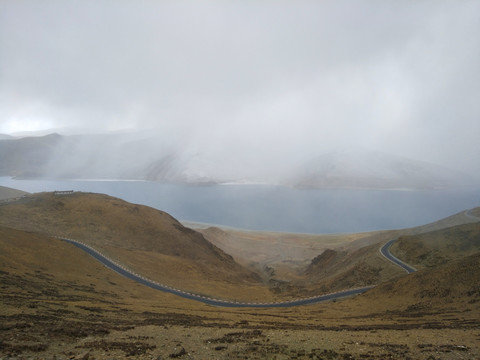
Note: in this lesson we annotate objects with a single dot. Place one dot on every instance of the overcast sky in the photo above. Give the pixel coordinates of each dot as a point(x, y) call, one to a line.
point(300, 77)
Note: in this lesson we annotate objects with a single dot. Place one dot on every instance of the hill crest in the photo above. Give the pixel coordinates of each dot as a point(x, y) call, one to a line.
point(119, 228)
point(359, 168)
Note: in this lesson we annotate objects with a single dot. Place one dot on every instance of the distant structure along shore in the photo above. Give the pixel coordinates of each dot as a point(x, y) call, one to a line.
point(63, 192)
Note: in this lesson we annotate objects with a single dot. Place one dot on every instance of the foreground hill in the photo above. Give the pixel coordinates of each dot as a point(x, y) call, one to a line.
point(7, 193)
point(151, 241)
point(58, 302)
point(359, 263)
point(439, 247)
point(454, 285)
point(340, 269)
point(301, 264)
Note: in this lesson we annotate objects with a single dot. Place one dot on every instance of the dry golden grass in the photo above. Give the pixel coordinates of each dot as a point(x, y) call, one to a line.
point(57, 300)
point(336, 270)
point(439, 247)
point(476, 212)
point(290, 255)
point(272, 248)
point(165, 250)
point(190, 276)
point(9, 193)
point(157, 246)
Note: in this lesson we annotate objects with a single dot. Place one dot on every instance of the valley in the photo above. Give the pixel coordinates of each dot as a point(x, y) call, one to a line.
point(226, 180)
point(59, 302)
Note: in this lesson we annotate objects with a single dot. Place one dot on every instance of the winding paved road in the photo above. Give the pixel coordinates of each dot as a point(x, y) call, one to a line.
point(385, 251)
point(206, 300)
point(224, 303)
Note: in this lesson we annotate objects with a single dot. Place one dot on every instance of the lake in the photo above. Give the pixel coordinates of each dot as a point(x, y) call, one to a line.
point(277, 208)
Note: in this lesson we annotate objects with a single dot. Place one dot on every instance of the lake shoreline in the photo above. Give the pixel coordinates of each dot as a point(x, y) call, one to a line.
point(276, 208)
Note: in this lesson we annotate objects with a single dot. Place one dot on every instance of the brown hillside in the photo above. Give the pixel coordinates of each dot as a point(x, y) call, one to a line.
point(290, 254)
point(438, 247)
point(379, 236)
point(359, 263)
point(273, 249)
point(455, 284)
point(476, 212)
point(103, 220)
point(324, 261)
point(164, 250)
point(58, 302)
point(336, 270)
point(7, 193)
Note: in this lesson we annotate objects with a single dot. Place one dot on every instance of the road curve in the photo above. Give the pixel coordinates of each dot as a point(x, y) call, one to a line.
point(206, 300)
point(468, 213)
point(385, 251)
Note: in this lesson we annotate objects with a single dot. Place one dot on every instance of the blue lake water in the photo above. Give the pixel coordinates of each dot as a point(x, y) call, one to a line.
point(277, 208)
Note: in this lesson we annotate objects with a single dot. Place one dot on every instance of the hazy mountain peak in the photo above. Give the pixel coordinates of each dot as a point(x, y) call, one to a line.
point(361, 168)
point(140, 156)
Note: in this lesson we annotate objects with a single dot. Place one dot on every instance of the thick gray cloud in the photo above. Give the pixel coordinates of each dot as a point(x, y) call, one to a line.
point(265, 79)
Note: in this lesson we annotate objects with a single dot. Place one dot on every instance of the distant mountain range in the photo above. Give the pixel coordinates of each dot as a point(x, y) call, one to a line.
point(136, 156)
point(373, 169)
point(4, 137)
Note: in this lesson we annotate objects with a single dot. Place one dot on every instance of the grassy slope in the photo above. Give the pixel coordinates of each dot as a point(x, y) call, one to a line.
point(454, 285)
point(359, 262)
point(159, 247)
point(287, 258)
point(9, 193)
point(438, 247)
point(163, 249)
point(337, 269)
point(55, 299)
point(272, 248)
point(288, 254)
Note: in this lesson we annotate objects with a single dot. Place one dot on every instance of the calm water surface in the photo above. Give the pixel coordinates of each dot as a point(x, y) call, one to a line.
point(277, 208)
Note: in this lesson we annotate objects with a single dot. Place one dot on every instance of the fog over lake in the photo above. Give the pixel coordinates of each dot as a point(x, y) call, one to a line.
point(277, 208)
point(244, 88)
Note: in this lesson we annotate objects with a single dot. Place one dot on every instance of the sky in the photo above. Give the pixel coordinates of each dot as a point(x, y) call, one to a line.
point(254, 79)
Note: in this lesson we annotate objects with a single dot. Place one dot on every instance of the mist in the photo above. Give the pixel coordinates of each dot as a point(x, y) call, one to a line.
point(243, 89)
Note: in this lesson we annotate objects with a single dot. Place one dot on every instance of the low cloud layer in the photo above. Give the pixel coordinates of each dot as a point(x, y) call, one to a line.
point(241, 79)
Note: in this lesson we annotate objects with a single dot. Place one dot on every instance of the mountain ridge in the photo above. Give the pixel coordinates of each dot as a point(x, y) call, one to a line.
point(142, 157)
point(167, 250)
point(361, 168)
